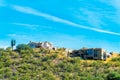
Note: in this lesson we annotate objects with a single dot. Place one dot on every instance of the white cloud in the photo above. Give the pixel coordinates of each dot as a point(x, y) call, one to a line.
point(32, 11)
point(115, 4)
point(31, 26)
point(12, 35)
point(18, 36)
point(24, 38)
point(93, 18)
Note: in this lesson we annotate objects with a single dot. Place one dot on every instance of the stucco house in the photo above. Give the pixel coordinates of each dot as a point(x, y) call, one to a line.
point(91, 53)
point(45, 45)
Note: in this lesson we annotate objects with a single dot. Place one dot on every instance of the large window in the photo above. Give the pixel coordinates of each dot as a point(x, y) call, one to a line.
point(96, 53)
point(89, 52)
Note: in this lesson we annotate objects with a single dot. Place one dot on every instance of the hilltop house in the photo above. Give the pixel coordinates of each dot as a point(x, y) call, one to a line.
point(92, 53)
point(45, 45)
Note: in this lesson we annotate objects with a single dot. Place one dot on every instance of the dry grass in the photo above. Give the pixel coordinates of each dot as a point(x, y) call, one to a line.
point(114, 55)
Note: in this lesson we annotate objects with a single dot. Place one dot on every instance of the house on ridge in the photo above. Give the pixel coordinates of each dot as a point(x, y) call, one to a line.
point(45, 45)
point(91, 53)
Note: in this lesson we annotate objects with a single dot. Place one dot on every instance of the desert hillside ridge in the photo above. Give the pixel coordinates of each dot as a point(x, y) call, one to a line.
point(84, 53)
point(44, 63)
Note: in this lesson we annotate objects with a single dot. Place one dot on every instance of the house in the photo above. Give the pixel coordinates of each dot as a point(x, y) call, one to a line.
point(45, 45)
point(34, 44)
point(68, 50)
point(91, 53)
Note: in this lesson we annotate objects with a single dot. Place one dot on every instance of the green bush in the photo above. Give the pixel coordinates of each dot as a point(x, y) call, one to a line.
point(116, 59)
point(23, 47)
point(113, 76)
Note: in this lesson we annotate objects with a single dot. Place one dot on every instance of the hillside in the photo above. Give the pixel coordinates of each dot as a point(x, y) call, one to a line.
point(42, 64)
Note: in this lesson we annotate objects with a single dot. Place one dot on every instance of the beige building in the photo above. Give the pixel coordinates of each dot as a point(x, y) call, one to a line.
point(45, 45)
point(92, 53)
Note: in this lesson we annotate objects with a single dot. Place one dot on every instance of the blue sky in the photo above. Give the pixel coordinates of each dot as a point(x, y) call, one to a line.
point(66, 23)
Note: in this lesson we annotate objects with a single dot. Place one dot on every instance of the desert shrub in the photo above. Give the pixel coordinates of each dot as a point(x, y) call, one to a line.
point(23, 47)
point(113, 76)
point(116, 59)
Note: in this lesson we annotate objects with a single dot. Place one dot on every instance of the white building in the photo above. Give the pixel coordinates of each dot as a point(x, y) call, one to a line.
point(45, 45)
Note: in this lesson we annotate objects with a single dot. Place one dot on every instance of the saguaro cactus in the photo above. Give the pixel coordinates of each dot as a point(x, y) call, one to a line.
point(13, 42)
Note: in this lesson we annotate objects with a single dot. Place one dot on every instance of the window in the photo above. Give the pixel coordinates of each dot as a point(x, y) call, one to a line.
point(89, 52)
point(95, 53)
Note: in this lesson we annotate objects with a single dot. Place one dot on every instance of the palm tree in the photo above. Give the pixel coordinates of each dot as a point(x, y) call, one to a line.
point(13, 42)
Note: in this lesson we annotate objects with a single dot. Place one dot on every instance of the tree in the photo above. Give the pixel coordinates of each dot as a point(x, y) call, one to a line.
point(113, 76)
point(9, 49)
point(13, 42)
point(23, 47)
